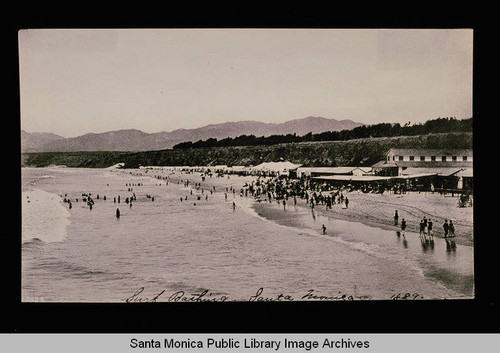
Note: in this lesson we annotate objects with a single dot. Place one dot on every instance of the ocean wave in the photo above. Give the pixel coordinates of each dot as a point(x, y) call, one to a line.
point(44, 218)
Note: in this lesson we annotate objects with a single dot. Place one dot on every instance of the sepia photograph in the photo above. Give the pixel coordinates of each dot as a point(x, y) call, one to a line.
point(188, 165)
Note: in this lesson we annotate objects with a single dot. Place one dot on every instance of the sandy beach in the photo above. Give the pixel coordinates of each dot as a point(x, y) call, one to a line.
point(378, 209)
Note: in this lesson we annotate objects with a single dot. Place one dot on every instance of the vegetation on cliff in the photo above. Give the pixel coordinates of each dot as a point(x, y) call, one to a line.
point(358, 152)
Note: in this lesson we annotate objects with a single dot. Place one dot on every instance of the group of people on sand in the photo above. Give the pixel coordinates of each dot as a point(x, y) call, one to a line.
point(426, 226)
point(280, 189)
point(403, 222)
point(449, 228)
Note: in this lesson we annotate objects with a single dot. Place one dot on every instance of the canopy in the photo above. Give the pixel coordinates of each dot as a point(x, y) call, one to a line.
point(438, 171)
point(414, 176)
point(276, 166)
point(353, 177)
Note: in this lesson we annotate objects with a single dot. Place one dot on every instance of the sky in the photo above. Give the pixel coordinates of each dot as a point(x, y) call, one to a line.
point(76, 81)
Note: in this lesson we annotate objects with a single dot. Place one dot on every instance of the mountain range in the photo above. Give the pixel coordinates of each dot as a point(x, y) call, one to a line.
point(136, 140)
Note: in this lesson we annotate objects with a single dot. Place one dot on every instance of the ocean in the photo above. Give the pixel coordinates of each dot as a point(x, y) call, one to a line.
point(181, 242)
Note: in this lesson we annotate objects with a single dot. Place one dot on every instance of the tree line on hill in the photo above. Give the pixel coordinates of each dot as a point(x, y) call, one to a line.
point(439, 125)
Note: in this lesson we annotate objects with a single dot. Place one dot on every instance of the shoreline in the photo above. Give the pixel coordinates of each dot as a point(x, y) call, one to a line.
point(464, 232)
point(377, 210)
point(233, 184)
point(54, 223)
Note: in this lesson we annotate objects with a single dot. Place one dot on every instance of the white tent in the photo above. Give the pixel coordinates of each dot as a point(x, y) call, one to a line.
point(277, 167)
point(116, 166)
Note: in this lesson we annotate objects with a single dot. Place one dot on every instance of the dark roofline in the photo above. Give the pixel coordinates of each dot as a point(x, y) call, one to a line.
point(431, 152)
point(423, 164)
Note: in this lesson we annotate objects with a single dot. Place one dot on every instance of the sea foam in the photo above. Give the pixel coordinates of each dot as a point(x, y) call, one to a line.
point(43, 216)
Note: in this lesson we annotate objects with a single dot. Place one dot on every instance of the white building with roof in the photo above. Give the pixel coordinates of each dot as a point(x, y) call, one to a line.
point(429, 155)
point(400, 161)
point(447, 167)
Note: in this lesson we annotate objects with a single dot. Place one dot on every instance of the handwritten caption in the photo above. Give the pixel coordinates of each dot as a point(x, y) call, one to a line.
point(206, 296)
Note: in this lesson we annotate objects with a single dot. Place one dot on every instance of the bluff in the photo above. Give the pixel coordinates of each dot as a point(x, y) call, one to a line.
point(359, 152)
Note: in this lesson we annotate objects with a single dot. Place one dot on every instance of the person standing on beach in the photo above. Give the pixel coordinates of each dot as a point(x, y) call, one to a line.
point(323, 228)
point(403, 226)
point(422, 227)
point(429, 227)
point(451, 228)
point(346, 202)
point(445, 228)
point(396, 217)
point(117, 213)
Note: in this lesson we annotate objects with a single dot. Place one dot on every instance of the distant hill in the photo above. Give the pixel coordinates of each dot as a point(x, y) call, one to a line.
point(136, 140)
point(33, 141)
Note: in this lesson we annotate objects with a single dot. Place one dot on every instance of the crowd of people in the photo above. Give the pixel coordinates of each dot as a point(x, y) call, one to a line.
point(283, 190)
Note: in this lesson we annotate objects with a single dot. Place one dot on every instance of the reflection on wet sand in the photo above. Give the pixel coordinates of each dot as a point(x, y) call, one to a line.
point(451, 246)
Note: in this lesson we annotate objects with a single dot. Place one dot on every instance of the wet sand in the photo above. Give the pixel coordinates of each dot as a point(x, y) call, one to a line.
point(437, 257)
point(376, 209)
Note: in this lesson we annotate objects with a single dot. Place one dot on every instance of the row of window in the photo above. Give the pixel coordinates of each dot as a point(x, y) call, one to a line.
point(433, 158)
